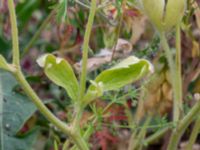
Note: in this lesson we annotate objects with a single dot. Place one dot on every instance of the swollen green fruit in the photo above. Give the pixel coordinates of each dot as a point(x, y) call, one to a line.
point(164, 14)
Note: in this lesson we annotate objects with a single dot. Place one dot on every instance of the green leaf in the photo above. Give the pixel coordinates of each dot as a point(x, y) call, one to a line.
point(61, 73)
point(126, 72)
point(15, 110)
point(3, 64)
point(20, 143)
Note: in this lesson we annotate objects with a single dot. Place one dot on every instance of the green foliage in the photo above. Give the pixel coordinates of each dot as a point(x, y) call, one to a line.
point(22, 143)
point(15, 110)
point(61, 73)
point(128, 71)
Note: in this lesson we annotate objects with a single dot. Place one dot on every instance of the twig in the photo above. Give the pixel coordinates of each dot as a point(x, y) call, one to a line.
point(119, 28)
point(178, 69)
point(14, 30)
point(194, 134)
point(183, 124)
point(156, 136)
point(176, 103)
point(85, 48)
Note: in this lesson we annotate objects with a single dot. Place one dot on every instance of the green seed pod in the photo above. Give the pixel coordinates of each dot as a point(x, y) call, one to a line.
point(154, 9)
point(174, 12)
point(164, 14)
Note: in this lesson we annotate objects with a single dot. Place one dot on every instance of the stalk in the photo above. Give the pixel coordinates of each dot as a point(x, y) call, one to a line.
point(135, 140)
point(85, 48)
point(14, 30)
point(178, 68)
point(194, 134)
point(156, 136)
point(176, 102)
point(123, 5)
point(180, 129)
point(78, 107)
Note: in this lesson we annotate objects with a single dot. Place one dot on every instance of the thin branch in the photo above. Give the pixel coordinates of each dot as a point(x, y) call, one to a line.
point(194, 134)
point(173, 77)
point(14, 29)
point(85, 48)
point(183, 124)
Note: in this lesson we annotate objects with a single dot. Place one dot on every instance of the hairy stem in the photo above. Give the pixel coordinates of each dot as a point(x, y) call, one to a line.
point(176, 102)
point(79, 108)
point(178, 68)
point(85, 49)
point(194, 134)
point(14, 29)
point(183, 124)
point(156, 136)
point(123, 5)
point(135, 140)
point(41, 107)
point(49, 115)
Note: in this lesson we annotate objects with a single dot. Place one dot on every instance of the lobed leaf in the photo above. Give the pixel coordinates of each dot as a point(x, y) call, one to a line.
point(15, 110)
point(126, 72)
point(61, 73)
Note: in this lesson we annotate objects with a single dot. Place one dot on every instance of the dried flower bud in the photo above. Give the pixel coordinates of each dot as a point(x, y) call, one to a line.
point(164, 14)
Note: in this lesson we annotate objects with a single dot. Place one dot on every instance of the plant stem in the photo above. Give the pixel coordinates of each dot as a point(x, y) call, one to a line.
point(123, 6)
point(176, 102)
point(79, 107)
point(14, 29)
point(37, 34)
point(78, 140)
point(85, 48)
point(194, 134)
point(178, 68)
point(183, 124)
point(135, 140)
point(156, 136)
point(45, 111)
point(42, 108)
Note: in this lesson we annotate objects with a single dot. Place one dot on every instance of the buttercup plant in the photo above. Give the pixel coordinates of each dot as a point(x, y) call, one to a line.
point(61, 73)
point(165, 16)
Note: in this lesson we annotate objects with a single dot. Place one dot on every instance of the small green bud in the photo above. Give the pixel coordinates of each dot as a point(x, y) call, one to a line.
point(164, 14)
